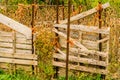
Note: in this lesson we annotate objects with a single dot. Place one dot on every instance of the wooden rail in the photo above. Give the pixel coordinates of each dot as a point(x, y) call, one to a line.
point(15, 48)
point(16, 26)
point(84, 14)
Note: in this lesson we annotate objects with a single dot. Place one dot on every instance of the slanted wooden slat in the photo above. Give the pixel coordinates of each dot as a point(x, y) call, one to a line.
point(103, 40)
point(18, 61)
point(16, 26)
point(84, 28)
point(19, 55)
point(87, 52)
point(84, 14)
point(81, 60)
point(72, 40)
point(60, 51)
point(80, 68)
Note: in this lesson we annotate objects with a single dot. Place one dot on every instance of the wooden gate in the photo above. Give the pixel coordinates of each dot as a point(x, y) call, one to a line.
point(84, 49)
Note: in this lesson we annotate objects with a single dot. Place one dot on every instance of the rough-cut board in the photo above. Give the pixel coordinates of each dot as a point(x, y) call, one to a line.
point(80, 68)
point(18, 46)
point(16, 26)
point(84, 14)
point(18, 40)
point(18, 61)
point(87, 52)
point(84, 28)
point(10, 50)
point(81, 60)
point(19, 55)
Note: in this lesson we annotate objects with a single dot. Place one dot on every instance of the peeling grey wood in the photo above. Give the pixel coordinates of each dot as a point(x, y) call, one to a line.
point(81, 68)
point(81, 60)
point(84, 28)
point(16, 26)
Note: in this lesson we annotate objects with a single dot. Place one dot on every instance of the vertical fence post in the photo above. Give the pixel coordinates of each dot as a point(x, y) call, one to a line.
point(14, 48)
point(100, 23)
point(32, 24)
point(57, 39)
point(68, 38)
point(79, 10)
point(63, 10)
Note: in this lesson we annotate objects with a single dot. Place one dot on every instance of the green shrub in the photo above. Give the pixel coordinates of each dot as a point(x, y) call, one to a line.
point(44, 50)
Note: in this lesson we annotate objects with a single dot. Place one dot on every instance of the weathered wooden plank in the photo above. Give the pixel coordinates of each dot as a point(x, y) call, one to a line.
point(14, 41)
point(5, 39)
point(5, 34)
point(19, 55)
point(80, 68)
point(88, 44)
point(6, 50)
point(103, 54)
point(103, 40)
point(5, 44)
point(18, 46)
point(10, 50)
point(90, 36)
point(19, 35)
point(16, 26)
point(87, 52)
point(23, 51)
point(84, 14)
point(93, 29)
point(9, 34)
point(23, 41)
point(18, 40)
point(92, 45)
point(81, 60)
point(18, 61)
point(72, 40)
point(60, 51)
point(23, 46)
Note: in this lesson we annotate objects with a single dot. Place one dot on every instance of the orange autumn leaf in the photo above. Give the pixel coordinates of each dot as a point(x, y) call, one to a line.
point(71, 43)
point(34, 30)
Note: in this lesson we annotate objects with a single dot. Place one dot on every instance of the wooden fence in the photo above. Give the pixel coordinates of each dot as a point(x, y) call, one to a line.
point(84, 45)
point(84, 54)
point(16, 45)
point(16, 48)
